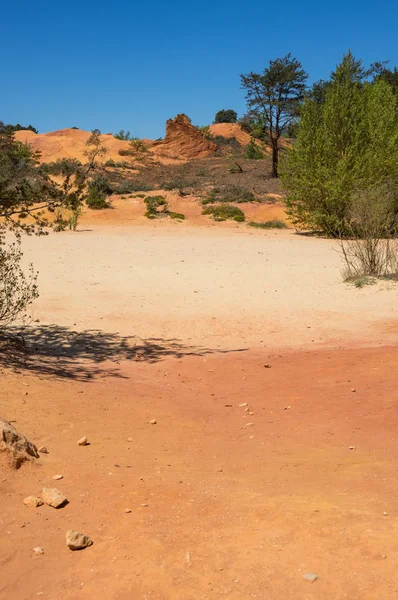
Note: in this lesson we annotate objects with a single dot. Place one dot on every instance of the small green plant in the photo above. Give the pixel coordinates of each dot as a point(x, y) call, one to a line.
point(224, 212)
point(178, 183)
point(361, 281)
point(122, 135)
point(274, 224)
point(74, 218)
point(153, 203)
point(229, 193)
point(110, 163)
point(175, 215)
point(126, 152)
point(60, 224)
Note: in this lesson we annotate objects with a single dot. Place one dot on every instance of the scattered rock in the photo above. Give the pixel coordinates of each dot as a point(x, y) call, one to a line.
point(32, 502)
point(38, 550)
point(287, 407)
point(82, 442)
point(77, 541)
point(129, 439)
point(385, 513)
point(153, 422)
point(227, 405)
point(243, 404)
point(188, 558)
point(311, 577)
point(53, 497)
point(249, 424)
point(351, 447)
point(353, 390)
point(16, 445)
point(58, 477)
point(267, 366)
point(43, 450)
point(128, 510)
point(144, 505)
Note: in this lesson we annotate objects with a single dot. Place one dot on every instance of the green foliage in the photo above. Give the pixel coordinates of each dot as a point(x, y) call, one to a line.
point(229, 193)
point(17, 289)
point(122, 135)
point(274, 99)
point(126, 152)
point(226, 116)
point(153, 203)
point(253, 151)
point(99, 189)
point(345, 145)
point(94, 148)
point(18, 127)
point(110, 163)
point(274, 224)
point(157, 207)
point(224, 212)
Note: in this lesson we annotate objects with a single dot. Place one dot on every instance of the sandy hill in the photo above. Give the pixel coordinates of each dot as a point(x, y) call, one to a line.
point(230, 130)
point(183, 142)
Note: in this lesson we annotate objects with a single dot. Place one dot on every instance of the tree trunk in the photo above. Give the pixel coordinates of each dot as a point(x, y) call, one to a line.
point(275, 158)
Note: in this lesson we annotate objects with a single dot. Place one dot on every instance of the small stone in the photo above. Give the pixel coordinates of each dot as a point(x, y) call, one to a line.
point(58, 477)
point(77, 541)
point(129, 439)
point(267, 366)
point(128, 510)
point(249, 424)
point(311, 577)
point(43, 450)
point(385, 513)
point(351, 447)
point(153, 422)
point(250, 413)
point(243, 404)
point(33, 502)
point(353, 390)
point(38, 550)
point(227, 405)
point(53, 497)
point(287, 407)
point(83, 441)
point(144, 505)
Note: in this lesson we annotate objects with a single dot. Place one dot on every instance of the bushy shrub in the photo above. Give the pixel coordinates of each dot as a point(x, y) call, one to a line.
point(253, 151)
point(226, 116)
point(126, 152)
point(175, 215)
point(153, 203)
point(99, 188)
point(178, 183)
point(128, 187)
point(224, 212)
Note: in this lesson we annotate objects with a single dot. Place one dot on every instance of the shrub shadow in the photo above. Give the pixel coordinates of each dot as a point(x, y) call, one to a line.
point(58, 351)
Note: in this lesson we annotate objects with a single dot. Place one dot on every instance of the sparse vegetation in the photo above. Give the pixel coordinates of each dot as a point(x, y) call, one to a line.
point(157, 207)
point(99, 190)
point(230, 193)
point(224, 212)
point(273, 224)
point(253, 151)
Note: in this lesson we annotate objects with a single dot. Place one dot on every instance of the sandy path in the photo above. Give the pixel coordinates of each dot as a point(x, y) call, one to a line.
point(232, 510)
point(213, 287)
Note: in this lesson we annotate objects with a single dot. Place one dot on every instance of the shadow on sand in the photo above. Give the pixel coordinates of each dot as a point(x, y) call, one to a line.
point(57, 351)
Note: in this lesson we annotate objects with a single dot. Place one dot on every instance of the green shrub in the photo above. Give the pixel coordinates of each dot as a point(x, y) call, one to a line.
point(110, 163)
point(153, 203)
point(99, 188)
point(175, 215)
point(229, 193)
point(253, 151)
point(226, 116)
point(224, 212)
point(126, 152)
point(127, 187)
point(275, 224)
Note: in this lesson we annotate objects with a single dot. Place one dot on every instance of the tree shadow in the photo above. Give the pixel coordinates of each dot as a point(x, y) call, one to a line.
point(58, 351)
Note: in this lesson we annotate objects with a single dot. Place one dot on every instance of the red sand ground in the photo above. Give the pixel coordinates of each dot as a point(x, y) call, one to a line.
point(232, 510)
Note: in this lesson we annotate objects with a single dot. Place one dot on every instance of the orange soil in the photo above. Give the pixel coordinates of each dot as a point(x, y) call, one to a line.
point(218, 508)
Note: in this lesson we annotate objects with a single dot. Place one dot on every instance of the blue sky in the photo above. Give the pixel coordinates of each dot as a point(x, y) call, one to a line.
point(132, 65)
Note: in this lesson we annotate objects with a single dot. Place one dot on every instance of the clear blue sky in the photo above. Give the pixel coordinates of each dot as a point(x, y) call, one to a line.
point(133, 64)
